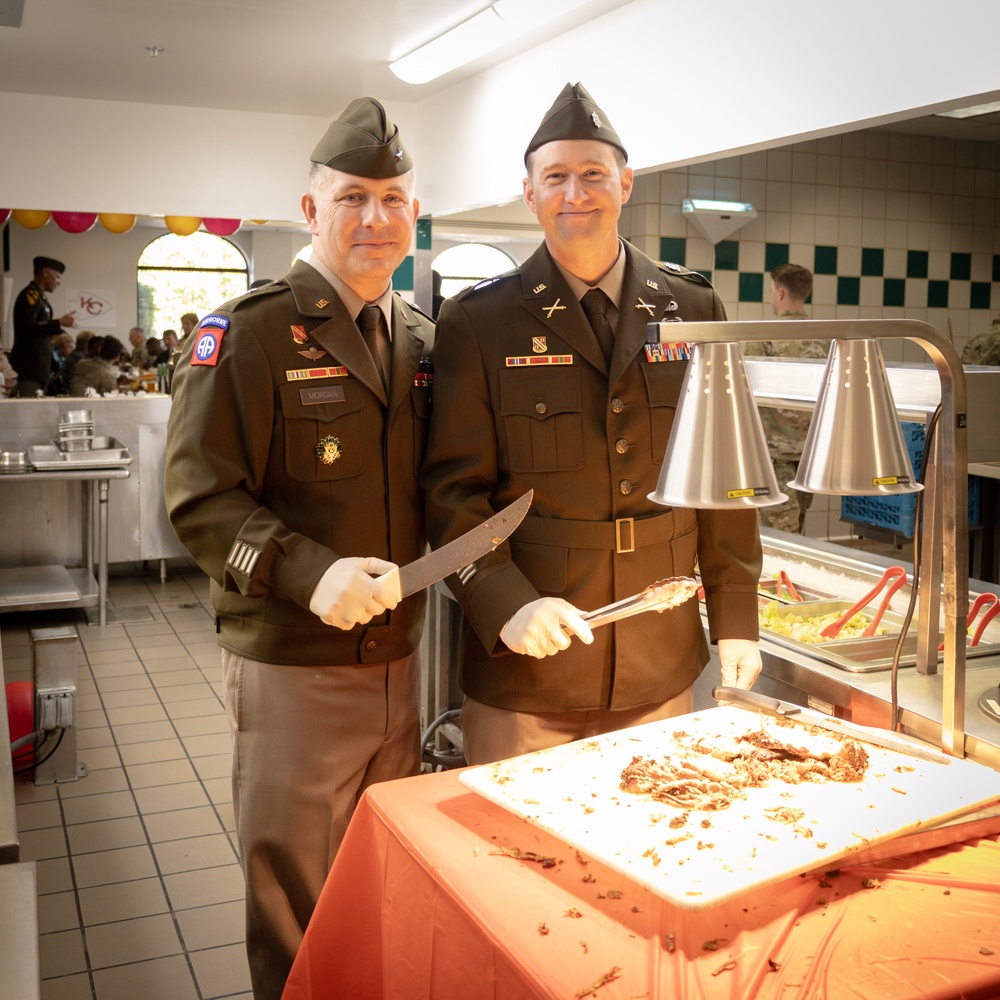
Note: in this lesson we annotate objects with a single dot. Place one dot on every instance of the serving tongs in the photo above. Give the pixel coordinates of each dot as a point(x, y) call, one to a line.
point(898, 577)
point(659, 596)
point(992, 604)
point(783, 584)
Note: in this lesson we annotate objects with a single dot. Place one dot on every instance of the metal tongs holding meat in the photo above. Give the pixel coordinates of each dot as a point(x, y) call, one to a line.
point(659, 596)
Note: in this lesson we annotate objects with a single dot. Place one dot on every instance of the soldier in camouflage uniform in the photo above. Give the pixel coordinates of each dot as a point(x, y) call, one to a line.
point(791, 285)
point(984, 349)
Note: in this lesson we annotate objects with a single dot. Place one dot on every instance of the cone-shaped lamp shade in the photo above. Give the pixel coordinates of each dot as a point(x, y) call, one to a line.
point(855, 445)
point(717, 454)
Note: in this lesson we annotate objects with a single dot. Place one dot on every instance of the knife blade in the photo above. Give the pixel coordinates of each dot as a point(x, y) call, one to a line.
point(459, 552)
point(795, 713)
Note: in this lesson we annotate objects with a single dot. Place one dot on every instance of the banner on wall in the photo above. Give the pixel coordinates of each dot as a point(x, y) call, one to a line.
point(94, 308)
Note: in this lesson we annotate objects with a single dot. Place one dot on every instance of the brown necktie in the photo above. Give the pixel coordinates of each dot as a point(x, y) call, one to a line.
point(595, 304)
point(371, 323)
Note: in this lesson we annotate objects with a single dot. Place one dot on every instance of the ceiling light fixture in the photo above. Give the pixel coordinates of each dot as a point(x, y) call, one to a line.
point(716, 220)
point(971, 112)
point(154, 50)
point(502, 22)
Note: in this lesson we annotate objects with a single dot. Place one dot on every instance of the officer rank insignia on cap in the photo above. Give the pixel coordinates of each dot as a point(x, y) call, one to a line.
point(574, 115)
point(364, 141)
point(328, 449)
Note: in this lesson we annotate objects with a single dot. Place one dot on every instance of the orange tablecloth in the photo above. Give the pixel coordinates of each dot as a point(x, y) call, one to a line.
point(423, 902)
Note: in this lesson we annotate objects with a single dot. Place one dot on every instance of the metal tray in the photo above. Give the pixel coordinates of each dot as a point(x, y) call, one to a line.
point(108, 453)
point(864, 655)
point(775, 590)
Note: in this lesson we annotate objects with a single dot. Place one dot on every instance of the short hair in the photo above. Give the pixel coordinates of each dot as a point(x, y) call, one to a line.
point(191, 316)
point(798, 280)
point(65, 340)
point(82, 337)
point(110, 349)
point(94, 345)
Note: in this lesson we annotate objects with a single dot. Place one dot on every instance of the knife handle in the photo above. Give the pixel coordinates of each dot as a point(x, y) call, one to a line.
point(391, 579)
point(748, 699)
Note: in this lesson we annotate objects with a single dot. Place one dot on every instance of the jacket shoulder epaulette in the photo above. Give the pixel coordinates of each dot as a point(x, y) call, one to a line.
point(486, 283)
point(679, 271)
point(255, 295)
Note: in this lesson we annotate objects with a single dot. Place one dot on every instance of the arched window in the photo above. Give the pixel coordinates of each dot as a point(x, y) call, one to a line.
point(182, 274)
point(467, 263)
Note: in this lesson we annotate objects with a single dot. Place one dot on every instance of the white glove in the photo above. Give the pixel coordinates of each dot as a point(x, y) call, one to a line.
point(349, 594)
point(740, 662)
point(544, 627)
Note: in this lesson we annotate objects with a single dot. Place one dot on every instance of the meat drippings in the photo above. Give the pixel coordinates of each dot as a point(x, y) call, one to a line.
point(710, 776)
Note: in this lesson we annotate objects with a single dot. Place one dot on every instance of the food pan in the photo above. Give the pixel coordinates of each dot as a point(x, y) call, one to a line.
point(13, 458)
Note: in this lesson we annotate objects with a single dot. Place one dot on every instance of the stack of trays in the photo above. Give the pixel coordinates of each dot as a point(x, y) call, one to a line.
point(76, 430)
point(13, 458)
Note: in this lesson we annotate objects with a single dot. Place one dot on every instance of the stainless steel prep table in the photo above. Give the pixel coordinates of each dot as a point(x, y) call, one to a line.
point(34, 588)
point(866, 697)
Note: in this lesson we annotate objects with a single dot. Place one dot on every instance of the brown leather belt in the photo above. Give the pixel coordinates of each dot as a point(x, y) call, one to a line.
point(624, 535)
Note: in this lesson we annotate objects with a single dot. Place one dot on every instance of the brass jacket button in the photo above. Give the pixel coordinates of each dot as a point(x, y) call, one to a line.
point(617, 405)
point(626, 486)
point(621, 446)
point(540, 407)
point(371, 645)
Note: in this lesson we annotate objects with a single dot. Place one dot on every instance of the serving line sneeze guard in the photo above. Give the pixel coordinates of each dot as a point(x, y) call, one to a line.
point(944, 552)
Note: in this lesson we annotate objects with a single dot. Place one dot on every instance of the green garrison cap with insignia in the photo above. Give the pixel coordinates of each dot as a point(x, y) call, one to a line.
point(363, 141)
point(574, 115)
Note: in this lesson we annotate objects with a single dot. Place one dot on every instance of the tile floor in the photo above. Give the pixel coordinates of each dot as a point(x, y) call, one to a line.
point(140, 890)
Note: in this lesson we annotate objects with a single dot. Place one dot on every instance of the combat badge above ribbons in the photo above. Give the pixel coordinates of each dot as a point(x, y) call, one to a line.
point(328, 449)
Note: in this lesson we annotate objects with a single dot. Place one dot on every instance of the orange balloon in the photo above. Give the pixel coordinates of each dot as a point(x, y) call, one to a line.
point(114, 222)
point(31, 218)
point(182, 225)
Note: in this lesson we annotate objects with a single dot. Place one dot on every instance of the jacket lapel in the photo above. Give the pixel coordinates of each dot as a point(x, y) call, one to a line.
point(407, 349)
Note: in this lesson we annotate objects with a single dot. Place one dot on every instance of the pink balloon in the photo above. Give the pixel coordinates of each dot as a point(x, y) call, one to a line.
point(222, 227)
point(75, 222)
point(4, 212)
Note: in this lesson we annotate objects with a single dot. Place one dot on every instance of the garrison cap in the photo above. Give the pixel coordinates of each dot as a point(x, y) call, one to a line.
point(56, 265)
point(363, 141)
point(574, 115)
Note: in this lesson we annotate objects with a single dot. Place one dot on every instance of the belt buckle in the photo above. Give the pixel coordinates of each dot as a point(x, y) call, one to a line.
point(619, 547)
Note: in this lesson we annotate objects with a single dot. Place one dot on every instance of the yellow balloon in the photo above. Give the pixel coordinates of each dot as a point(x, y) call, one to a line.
point(31, 218)
point(182, 225)
point(260, 222)
point(114, 222)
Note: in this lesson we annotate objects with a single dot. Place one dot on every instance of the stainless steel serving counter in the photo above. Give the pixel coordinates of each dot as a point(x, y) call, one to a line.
point(866, 697)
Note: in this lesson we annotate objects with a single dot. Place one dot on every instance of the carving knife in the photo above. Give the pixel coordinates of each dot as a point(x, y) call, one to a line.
point(795, 713)
point(459, 552)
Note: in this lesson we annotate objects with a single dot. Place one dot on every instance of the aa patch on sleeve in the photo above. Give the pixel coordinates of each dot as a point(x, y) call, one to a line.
point(208, 340)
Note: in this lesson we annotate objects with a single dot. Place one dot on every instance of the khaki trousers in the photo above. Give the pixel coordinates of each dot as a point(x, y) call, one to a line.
point(307, 741)
point(491, 734)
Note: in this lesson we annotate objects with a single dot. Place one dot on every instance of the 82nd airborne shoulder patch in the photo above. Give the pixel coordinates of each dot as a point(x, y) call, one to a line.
point(209, 340)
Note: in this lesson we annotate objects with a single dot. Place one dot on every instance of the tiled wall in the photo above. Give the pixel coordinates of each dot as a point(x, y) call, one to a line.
point(893, 226)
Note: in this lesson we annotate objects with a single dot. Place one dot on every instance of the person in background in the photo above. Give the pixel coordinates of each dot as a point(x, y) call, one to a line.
point(544, 380)
point(34, 327)
point(984, 348)
point(8, 377)
point(785, 430)
point(154, 348)
point(169, 341)
point(62, 349)
point(188, 322)
point(292, 451)
point(78, 352)
point(139, 356)
point(97, 372)
point(437, 299)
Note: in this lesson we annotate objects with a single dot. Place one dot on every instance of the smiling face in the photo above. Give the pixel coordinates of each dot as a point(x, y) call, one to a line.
point(577, 188)
point(361, 227)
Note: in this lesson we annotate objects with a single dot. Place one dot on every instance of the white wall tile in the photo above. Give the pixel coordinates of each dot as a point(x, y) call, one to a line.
point(849, 236)
point(777, 227)
point(849, 255)
point(827, 228)
point(871, 292)
point(803, 229)
point(872, 232)
point(778, 196)
point(916, 295)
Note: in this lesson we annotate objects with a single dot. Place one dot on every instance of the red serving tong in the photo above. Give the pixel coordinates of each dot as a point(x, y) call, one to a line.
point(895, 573)
point(785, 581)
point(989, 601)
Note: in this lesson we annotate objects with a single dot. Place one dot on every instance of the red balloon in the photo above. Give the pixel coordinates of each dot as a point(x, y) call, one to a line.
point(4, 212)
point(75, 222)
point(222, 227)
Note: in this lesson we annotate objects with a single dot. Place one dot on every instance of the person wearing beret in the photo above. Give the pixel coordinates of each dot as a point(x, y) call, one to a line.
point(34, 327)
point(539, 386)
point(291, 477)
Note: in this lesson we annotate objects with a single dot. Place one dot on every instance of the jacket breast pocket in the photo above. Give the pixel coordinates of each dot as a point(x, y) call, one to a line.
point(420, 398)
point(543, 418)
point(323, 441)
point(664, 382)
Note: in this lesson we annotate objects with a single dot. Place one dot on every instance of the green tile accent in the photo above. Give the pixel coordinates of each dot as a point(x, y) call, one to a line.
point(937, 294)
point(727, 256)
point(825, 261)
point(775, 254)
point(402, 277)
point(996, 267)
point(423, 234)
point(848, 291)
point(707, 275)
point(872, 262)
point(751, 287)
point(979, 295)
point(916, 263)
point(961, 266)
point(674, 249)
point(894, 292)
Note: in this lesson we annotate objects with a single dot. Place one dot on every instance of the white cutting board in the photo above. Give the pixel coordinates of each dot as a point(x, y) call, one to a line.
point(574, 792)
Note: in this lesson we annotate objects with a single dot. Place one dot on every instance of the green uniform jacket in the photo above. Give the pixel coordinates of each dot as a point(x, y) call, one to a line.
point(34, 329)
point(590, 444)
point(248, 490)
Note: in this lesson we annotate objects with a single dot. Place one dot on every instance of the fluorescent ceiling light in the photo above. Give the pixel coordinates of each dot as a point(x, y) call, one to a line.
point(703, 205)
point(976, 109)
point(716, 220)
point(502, 22)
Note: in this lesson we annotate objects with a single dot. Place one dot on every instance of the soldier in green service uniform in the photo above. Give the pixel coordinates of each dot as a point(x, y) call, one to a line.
point(791, 285)
point(984, 348)
point(292, 454)
point(35, 326)
point(537, 385)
